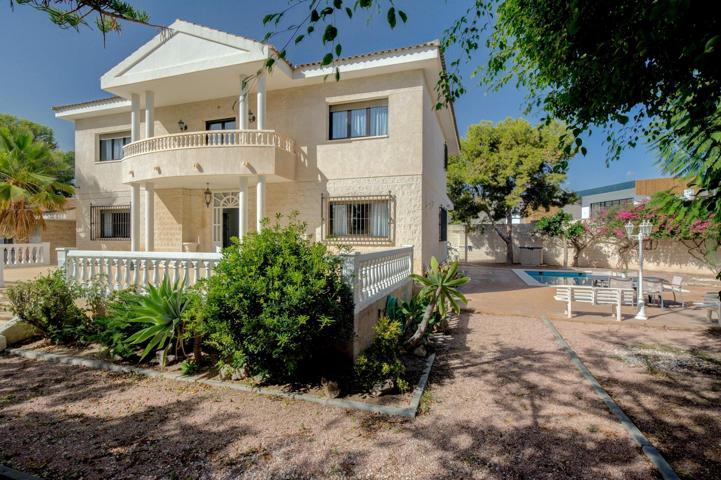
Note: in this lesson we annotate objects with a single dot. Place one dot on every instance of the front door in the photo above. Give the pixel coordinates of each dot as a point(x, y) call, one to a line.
point(230, 225)
point(225, 218)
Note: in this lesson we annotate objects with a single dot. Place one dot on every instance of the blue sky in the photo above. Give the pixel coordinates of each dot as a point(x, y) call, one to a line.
point(44, 65)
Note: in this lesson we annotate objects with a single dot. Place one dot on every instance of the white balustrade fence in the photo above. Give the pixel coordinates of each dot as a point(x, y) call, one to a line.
point(121, 270)
point(372, 275)
point(23, 255)
point(210, 138)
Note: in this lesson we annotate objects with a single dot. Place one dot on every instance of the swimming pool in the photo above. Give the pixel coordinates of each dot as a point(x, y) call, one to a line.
point(557, 277)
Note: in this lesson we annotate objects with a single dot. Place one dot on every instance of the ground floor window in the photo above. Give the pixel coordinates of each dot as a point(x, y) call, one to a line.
point(367, 217)
point(443, 225)
point(110, 222)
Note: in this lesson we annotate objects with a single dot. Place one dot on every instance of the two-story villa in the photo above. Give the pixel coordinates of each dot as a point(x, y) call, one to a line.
point(196, 147)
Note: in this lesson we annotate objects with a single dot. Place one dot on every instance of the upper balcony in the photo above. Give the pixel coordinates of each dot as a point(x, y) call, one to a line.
point(186, 158)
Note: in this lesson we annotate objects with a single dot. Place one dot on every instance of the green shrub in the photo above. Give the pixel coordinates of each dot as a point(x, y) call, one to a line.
point(114, 329)
point(48, 304)
point(381, 361)
point(277, 304)
point(159, 314)
point(152, 321)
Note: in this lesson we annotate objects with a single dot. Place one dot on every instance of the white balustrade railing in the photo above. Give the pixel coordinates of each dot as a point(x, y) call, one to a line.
point(210, 138)
point(372, 275)
point(376, 274)
point(23, 255)
point(121, 270)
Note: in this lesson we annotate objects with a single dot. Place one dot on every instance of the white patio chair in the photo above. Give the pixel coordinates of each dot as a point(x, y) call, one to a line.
point(675, 288)
point(653, 288)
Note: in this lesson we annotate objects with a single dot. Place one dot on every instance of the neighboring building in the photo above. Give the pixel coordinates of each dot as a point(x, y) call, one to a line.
point(595, 200)
point(362, 160)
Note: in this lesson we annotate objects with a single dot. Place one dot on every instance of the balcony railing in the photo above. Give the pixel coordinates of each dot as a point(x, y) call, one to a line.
point(210, 139)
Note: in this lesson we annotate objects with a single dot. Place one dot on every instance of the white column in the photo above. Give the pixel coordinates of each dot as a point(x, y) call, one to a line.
point(243, 208)
point(149, 114)
point(243, 108)
point(134, 217)
point(134, 117)
point(260, 116)
point(149, 217)
point(259, 202)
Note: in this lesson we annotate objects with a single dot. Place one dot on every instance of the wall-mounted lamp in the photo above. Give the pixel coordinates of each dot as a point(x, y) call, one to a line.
point(182, 126)
point(207, 196)
point(251, 116)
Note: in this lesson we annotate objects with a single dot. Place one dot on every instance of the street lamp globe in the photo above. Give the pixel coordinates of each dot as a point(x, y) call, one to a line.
point(645, 228)
point(629, 229)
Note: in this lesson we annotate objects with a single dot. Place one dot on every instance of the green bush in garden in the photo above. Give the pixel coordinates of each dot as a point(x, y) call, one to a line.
point(114, 329)
point(277, 305)
point(48, 304)
point(381, 361)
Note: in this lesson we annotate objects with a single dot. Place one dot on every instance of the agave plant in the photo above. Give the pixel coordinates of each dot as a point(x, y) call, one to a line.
point(161, 311)
point(440, 286)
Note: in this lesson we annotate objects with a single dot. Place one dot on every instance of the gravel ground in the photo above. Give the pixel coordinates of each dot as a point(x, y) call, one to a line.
point(668, 382)
point(504, 402)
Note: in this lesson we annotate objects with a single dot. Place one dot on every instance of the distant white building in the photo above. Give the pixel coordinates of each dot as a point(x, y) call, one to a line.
point(594, 200)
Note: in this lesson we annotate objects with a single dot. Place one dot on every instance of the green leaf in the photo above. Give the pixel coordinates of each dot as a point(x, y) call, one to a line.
point(403, 16)
point(327, 59)
point(330, 33)
point(391, 17)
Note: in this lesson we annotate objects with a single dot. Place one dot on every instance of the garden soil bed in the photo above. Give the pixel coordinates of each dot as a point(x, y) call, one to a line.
point(415, 367)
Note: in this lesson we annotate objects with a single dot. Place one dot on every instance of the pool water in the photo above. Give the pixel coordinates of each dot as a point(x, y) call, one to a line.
point(554, 277)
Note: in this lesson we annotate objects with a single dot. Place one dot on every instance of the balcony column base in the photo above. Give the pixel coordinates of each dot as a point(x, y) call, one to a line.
point(149, 217)
point(260, 202)
point(135, 217)
point(242, 208)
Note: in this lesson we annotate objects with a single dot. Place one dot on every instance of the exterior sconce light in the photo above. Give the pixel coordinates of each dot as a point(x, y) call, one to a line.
point(157, 169)
point(251, 116)
point(182, 126)
point(207, 196)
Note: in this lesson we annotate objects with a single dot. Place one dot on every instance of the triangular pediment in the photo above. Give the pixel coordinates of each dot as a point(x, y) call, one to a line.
point(184, 48)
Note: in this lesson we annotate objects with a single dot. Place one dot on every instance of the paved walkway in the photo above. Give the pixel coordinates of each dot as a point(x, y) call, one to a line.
point(495, 289)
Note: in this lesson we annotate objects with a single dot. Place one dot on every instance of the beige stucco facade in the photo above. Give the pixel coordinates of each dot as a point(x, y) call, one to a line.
point(406, 165)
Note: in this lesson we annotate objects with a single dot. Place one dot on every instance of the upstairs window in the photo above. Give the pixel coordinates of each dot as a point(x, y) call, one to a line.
point(443, 225)
point(445, 156)
point(111, 146)
point(224, 124)
point(367, 119)
point(110, 223)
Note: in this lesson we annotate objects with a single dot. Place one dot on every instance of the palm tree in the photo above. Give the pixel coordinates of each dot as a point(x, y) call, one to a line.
point(27, 186)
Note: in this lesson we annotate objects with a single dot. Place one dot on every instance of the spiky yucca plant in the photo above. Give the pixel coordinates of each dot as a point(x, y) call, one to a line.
point(161, 311)
point(439, 285)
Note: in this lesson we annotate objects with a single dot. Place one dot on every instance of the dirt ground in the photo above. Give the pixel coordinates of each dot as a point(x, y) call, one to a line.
point(503, 402)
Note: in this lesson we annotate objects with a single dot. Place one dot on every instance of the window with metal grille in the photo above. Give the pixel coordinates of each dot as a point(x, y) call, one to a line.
point(443, 225)
point(111, 146)
point(360, 217)
point(598, 207)
point(445, 156)
point(366, 119)
point(110, 222)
